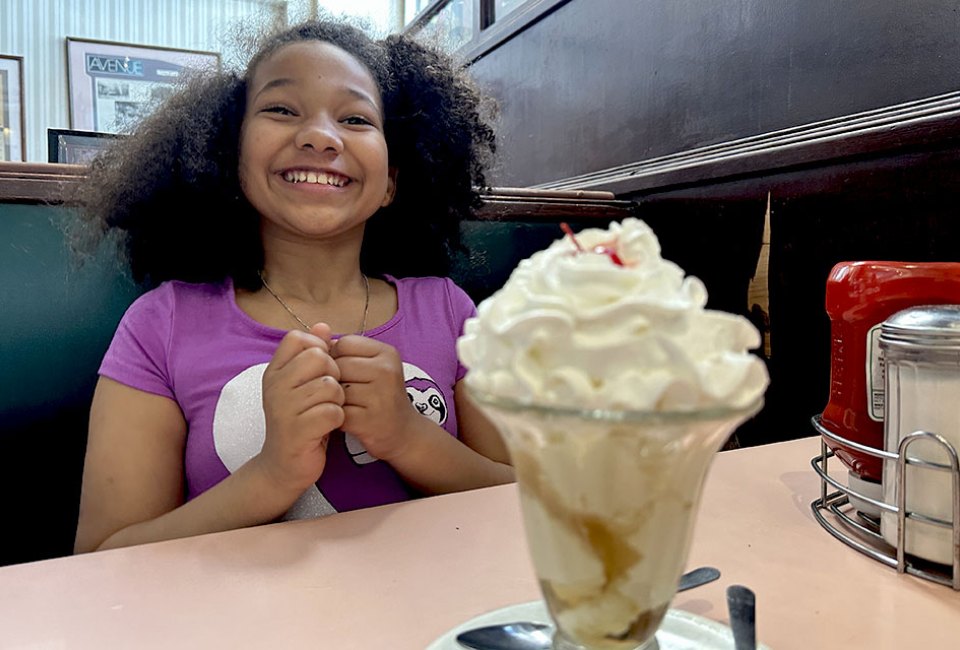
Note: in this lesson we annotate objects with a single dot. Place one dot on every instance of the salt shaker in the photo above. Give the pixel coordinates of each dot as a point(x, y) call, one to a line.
point(921, 351)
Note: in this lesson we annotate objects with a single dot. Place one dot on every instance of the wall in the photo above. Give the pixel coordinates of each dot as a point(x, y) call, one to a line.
point(604, 83)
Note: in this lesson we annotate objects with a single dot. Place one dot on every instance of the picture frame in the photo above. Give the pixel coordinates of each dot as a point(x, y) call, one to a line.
point(112, 86)
point(76, 147)
point(13, 137)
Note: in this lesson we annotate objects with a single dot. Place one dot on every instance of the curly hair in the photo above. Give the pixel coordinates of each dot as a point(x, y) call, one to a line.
point(172, 189)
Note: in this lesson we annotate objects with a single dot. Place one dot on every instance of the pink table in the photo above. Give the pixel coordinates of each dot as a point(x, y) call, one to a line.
point(399, 576)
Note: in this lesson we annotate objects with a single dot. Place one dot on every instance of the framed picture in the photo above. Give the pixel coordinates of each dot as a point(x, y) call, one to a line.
point(76, 147)
point(112, 86)
point(13, 140)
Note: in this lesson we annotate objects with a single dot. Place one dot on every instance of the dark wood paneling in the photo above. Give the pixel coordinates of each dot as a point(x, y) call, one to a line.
point(603, 83)
point(881, 207)
point(885, 131)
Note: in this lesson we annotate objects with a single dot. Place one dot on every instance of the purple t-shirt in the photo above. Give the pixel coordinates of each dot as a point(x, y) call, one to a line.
point(193, 344)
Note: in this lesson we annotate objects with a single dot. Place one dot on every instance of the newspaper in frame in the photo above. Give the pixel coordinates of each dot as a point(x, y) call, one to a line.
point(113, 85)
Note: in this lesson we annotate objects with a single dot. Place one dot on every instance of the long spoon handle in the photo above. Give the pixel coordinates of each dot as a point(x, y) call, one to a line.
point(742, 604)
point(697, 577)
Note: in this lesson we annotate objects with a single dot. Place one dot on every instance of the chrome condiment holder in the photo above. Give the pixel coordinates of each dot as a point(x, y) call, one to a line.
point(862, 532)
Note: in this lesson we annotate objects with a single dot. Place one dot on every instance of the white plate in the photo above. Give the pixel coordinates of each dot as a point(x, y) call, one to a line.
point(680, 630)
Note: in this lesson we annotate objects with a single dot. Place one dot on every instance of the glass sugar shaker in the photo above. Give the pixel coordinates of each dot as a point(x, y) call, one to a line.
point(921, 350)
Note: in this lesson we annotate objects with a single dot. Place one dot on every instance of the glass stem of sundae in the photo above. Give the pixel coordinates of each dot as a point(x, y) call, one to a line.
point(613, 387)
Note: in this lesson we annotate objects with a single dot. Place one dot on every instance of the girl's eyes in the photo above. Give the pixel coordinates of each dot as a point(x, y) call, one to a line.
point(279, 110)
point(357, 120)
point(352, 120)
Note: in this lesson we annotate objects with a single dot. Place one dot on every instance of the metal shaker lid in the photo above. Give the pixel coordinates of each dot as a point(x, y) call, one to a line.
point(936, 326)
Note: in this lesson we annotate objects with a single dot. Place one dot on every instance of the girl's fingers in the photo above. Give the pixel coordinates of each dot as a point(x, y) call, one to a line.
point(321, 390)
point(323, 332)
point(295, 342)
point(353, 345)
point(358, 394)
point(326, 415)
point(308, 365)
point(359, 370)
point(365, 360)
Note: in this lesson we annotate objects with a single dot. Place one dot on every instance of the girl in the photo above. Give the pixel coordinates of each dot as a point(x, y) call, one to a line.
point(288, 361)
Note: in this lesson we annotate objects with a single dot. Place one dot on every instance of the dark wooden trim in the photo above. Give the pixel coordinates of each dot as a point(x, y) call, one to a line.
point(526, 204)
point(498, 208)
point(36, 182)
point(549, 194)
point(48, 182)
point(929, 121)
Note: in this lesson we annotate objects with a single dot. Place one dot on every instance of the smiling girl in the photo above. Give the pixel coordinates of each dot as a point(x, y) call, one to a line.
point(295, 356)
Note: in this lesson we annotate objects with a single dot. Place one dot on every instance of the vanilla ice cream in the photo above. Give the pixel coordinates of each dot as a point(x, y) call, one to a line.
point(613, 387)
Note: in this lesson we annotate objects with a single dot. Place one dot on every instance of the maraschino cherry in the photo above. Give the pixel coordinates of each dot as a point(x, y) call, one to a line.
point(601, 250)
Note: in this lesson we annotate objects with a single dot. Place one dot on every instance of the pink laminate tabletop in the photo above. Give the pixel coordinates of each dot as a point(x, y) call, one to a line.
point(399, 576)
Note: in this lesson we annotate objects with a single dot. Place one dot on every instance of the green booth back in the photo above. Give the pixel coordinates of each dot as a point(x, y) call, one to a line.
point(56, 320)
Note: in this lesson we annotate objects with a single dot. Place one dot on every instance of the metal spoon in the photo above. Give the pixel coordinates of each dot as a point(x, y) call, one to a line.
point(742, 605)
point(539, 636)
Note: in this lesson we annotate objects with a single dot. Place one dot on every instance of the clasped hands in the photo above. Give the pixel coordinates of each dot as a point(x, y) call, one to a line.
point(314, 385)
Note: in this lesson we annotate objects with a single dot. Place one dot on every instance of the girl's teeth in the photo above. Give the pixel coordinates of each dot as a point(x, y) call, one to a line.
point(313, 177)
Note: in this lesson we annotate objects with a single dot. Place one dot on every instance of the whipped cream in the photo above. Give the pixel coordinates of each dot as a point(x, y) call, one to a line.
point(621, 328)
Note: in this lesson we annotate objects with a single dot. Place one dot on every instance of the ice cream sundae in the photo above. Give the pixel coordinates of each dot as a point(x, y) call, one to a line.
point(613, 387)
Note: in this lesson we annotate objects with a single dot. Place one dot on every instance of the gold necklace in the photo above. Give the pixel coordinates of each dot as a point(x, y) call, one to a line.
point(366, 303)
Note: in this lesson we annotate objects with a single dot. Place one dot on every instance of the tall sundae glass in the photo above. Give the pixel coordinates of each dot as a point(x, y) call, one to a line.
point(613, 388)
